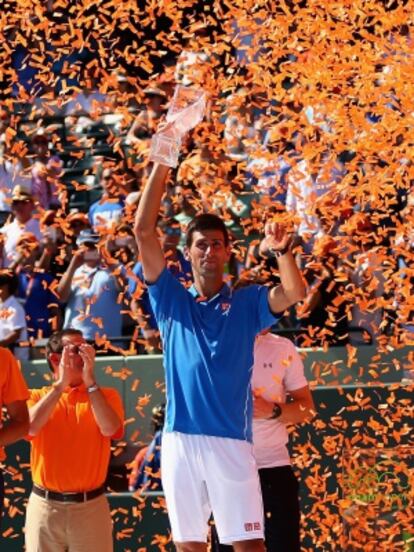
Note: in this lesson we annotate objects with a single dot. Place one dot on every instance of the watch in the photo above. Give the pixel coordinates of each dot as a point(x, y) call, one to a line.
point(280, 252)
point(277, 411)
point(92, 388)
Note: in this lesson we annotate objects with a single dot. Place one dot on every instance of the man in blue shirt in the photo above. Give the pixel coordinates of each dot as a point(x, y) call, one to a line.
point(208, 334)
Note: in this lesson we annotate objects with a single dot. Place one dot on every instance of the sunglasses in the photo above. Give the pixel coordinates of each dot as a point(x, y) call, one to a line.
point(20, 201)
point(74, 349)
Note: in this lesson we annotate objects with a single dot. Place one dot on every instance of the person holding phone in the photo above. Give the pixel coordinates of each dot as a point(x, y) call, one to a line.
point(72, 422)
point(90, 288)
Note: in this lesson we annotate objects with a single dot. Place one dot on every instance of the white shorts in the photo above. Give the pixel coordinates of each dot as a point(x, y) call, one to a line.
point(202, 474)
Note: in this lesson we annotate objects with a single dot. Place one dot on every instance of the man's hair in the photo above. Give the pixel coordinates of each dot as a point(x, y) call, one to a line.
point(8, 278)
point(54, 343)
point(206, 221)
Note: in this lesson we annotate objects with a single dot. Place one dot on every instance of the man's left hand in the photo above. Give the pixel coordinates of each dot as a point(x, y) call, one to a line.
point(277, 236)
point(87, 353)
point(261, 407)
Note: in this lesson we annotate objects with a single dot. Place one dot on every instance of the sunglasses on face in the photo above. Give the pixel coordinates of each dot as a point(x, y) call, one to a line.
point(20, 201)
point(75, 349)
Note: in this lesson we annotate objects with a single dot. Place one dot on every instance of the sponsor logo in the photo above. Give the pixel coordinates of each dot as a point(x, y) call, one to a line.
point(225, 307)
point(254, 526)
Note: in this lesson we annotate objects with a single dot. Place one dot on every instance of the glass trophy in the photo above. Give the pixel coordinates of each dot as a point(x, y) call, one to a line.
point(186, 111)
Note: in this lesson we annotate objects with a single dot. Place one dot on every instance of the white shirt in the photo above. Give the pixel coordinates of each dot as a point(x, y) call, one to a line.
point(277, 370)
point(13, 317)
point(12, 233)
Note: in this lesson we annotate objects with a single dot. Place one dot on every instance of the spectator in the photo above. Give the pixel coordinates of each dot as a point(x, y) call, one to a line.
point(91, 288)
point(36, 290)
point(72, 423)
point(54, 254)
point(122, 245)
point(146, 474)
point(46, 169)
point(108, 210)
point(12, 174)
point(13, 328)
point(13, 396)
point(24, 221)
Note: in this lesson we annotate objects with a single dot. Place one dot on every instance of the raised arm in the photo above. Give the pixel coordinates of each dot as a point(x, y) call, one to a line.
point(40, 412)
point(292, 287)
point(64, 287)
point(107, 420)
point(145, 228)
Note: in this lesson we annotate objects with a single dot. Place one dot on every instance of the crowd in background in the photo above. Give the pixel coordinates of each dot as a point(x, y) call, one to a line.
point(68, 199)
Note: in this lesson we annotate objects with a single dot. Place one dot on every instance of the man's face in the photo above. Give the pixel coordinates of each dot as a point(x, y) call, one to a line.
point(91, 255)
point(108, 182)
point(4, 292)
point(208, 253)
point(29, 251)
point(170, 239)
point(22, 208)
point(40, 147)
point(75, 364)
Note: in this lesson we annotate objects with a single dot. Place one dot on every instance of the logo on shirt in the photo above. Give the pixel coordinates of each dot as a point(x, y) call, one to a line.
point(6, 313)
point(225, 308)
point(255, 526)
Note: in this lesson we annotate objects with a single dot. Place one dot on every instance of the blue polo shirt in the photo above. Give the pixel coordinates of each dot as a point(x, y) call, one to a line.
point(208, 355)
point(180, 269)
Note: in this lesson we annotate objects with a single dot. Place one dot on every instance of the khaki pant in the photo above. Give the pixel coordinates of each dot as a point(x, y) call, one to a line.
point(53, 526)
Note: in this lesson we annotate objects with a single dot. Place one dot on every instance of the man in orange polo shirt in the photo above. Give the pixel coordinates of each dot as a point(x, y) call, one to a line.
point(13, 395)
point(72, 423)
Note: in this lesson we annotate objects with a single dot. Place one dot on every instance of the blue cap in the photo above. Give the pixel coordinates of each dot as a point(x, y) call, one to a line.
point(87, 236)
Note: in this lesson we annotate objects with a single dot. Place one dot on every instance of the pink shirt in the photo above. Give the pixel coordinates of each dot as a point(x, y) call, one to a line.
point(277, 369)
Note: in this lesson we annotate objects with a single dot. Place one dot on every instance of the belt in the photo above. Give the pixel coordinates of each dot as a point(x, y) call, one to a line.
point(68, 497)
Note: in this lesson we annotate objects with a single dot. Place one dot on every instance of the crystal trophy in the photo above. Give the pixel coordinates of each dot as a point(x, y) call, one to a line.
point(184, 113)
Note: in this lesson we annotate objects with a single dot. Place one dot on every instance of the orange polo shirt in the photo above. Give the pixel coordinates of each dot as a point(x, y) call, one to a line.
point(12, 385)
point(70, 454)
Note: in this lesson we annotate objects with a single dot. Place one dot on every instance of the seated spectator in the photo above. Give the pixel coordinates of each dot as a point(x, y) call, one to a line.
point(91, 286)
point(23, 208)
point(77, 222)
point(122, 245)
point(12, 174)
point(46, 169)
point(145, 474)
point(12, 316)
point(176, 264)
point(108, 210)
point(36, 290)
point(54, 252)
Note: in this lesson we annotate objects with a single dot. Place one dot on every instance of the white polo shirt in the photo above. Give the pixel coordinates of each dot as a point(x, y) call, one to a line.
point(13, 317)
point(277, 370)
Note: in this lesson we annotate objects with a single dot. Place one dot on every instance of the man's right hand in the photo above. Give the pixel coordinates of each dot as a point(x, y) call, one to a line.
point(63, 378)
point(78, 258)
